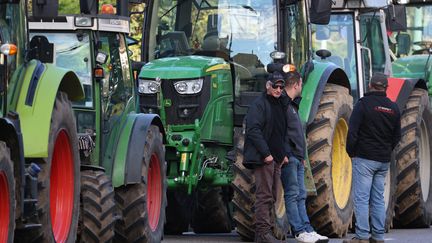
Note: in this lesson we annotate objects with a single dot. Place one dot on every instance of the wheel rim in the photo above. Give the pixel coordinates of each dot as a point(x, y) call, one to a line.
point(387, 190)
point(341, 165)
point(61, 187)
point(154, 192)
point(425, 160)
point(4, 207)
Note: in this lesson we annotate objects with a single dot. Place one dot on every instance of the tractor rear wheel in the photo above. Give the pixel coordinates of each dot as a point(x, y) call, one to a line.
point(97, 208)
point(331, 210)
point(389, 195)
point(413, 156)
point(244, 198)
point(58, 180)
point(143, 204)
point(7, 196)
point(211, 213)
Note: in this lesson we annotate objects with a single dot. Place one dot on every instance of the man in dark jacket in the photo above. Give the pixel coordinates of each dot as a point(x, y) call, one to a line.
point(293, 171)
point(374, 131)
point(265, 132)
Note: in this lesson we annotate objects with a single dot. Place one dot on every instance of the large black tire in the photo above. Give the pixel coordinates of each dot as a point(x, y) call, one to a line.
point(143, 204)
point(244, 198)
point(211, 213)
point(7, 195)
point(97, 216)
point(59, 179)
point(390, 194)
point(178, 213)
point(331, 210)
point(413, 156)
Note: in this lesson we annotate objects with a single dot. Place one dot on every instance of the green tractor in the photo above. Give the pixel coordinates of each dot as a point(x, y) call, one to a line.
point(205, 63)
point(39, 157)
point(413, 60)
point(357, 38)
point(118, 144)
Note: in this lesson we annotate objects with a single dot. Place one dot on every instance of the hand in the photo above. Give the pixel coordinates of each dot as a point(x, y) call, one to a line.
point(304, 162)
point(268, 160)
point(284, 161)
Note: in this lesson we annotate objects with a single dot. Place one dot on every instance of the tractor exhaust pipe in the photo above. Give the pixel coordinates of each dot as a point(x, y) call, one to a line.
point(122, 8)
point(89, 7)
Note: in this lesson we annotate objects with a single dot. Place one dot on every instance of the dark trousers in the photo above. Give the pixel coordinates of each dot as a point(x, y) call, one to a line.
point(267, 182)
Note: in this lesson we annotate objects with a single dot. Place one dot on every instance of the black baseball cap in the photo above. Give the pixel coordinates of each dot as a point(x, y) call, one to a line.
point(277, 77)
point(379, 79)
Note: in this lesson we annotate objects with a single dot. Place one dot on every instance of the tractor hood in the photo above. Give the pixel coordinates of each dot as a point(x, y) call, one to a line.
point(410, 67)
point(183, 67)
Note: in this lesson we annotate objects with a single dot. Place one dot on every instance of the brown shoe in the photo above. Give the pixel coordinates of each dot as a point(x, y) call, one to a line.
point(266, 238)
point(356, 240)
point(372, 240)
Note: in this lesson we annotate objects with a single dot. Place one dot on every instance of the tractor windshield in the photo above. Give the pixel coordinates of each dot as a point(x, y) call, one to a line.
point(418, 38)
point(239, 30)
point(338, 38)
point(72, 51)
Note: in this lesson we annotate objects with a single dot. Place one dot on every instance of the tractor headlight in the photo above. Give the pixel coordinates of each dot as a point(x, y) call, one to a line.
point(148, 86)
point(192, 86)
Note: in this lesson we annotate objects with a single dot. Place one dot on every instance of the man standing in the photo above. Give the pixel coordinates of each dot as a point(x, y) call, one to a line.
point(374, 131)
point(293, 171)
point(265, 132)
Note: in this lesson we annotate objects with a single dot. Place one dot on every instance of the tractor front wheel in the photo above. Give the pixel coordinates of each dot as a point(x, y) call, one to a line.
point(7, 196)
point(59, 180)
point(244, 198)
point(143, 204)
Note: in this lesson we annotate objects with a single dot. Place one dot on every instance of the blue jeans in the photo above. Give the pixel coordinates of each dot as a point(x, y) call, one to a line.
point(368, 178)
point(292, 177)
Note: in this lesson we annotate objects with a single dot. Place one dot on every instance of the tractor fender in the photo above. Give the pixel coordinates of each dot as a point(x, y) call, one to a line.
point(11, 135)
point(313, 87)
point(130, 148)
point(399, 89)
point(37, 95)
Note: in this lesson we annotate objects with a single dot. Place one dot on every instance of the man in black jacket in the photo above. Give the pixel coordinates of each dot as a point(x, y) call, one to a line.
point(265, 132)
point(374, 131)
point(293, 171)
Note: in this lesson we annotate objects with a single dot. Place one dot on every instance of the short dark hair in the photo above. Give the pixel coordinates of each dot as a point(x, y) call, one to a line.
point(293, 77)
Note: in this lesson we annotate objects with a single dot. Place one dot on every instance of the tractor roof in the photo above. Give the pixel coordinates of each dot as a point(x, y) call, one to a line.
point(110, 23)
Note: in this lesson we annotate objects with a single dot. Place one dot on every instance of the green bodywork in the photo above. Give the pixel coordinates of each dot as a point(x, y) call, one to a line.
point(415, 66)
point(36, 118)
point(211, 136)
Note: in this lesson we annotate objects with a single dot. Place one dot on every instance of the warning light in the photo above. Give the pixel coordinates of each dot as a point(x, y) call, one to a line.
point(107, 9)
point(8, 49)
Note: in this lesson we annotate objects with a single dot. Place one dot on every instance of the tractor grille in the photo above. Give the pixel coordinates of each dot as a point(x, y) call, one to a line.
point(184, 109)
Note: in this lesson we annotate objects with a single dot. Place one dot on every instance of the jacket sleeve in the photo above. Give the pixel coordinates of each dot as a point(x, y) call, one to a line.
point(397, 129)
point(353, 128)
point(287, 146)
point(255, 122)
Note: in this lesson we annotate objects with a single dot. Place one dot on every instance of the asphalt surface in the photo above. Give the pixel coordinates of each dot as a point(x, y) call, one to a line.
point(394, 236)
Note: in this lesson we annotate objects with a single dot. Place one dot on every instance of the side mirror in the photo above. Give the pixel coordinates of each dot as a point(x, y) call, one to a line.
point(41, 49)
point(320, 11)
point(403, 43)
point(396, 19)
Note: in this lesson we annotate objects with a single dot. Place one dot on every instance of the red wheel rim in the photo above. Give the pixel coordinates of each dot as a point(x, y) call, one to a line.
point(61, 187)
point(4, 207)
point(154, 192)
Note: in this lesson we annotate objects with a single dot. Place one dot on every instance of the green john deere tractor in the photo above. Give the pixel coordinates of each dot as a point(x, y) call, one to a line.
point(39, 158)
point(205, 63)
point(118, 145)
point(357, 38)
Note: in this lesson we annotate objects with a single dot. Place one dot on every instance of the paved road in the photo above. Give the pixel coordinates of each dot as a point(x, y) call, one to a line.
point(395, 236)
